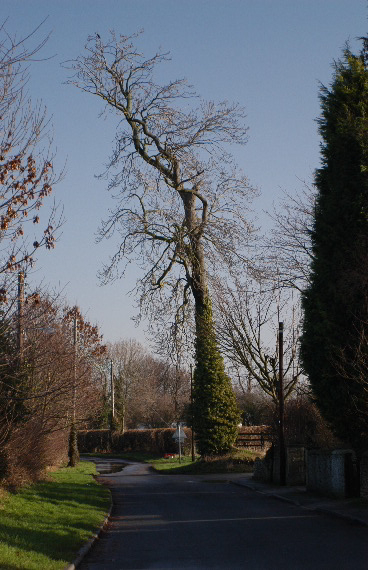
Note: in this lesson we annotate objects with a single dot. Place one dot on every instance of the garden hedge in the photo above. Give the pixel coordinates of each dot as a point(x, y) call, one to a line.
point(158, 441)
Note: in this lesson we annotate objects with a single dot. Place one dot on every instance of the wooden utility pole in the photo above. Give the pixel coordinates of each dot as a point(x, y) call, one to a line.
point(21, 316)
point(75, 338)
point(282, 448)
point(192, 414)
point(73, 436)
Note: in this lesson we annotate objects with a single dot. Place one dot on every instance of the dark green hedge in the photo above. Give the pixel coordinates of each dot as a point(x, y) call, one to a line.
point(149, 440)
point(94, 441)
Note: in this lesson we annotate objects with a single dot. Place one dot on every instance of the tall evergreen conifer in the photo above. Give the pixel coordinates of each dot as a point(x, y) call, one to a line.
point(334, 339)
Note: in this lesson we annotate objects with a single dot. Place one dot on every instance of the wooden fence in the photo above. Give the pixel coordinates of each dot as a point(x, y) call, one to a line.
point(254, 437)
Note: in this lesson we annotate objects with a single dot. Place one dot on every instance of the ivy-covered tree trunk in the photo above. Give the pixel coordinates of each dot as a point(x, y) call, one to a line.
point(214, 406)
point(73, 452)
point(334, 342)
point(215, 412)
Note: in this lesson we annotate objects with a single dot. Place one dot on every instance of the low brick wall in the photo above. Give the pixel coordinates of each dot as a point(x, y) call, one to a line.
point(331, 472)
point(295, 465)
point(364, 476)
point(268, 469)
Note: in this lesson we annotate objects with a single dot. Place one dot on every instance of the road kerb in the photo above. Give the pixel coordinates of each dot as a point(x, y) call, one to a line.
point(323, 510)
point(87, 547)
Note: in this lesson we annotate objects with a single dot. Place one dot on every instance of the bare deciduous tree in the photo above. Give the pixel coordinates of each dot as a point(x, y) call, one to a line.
point(181, 203)
point(288, 249)
point(247, 320)
point(148, 391)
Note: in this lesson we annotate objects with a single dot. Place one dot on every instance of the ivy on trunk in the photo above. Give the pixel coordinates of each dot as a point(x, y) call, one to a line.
point(214, 406)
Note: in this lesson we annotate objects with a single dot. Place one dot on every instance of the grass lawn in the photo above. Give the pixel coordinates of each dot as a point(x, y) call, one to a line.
point(43, 526)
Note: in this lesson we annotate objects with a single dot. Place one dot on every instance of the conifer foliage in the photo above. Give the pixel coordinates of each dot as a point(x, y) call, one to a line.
point(334, 341)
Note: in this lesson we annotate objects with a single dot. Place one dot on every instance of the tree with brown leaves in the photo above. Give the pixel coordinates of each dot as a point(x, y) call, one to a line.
point(26, 163)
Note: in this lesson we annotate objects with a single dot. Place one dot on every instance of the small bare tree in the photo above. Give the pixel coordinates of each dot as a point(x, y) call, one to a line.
point(130, 382)
point(148, 390)
point(288, 248)
point(247, 320)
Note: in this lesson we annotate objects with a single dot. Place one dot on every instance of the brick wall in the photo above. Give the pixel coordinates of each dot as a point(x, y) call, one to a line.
point(330, 472)
point(364, 476)
point(268, 469)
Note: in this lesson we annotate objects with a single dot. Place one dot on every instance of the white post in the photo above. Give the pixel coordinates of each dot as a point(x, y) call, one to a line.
point(179, 440)
point(112, 389)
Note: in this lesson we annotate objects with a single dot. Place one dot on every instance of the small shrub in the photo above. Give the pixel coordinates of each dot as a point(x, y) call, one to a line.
point(29, 452)
point(304, 425)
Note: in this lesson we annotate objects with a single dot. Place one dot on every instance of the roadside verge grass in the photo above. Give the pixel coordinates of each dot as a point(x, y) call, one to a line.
point(236, 461)
point(43, 526)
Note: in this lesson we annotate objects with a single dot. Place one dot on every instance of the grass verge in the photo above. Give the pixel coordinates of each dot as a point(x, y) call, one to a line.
point(237, 461)
point(43, 526)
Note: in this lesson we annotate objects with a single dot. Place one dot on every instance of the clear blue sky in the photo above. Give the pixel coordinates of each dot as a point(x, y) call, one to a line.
point(267, 54)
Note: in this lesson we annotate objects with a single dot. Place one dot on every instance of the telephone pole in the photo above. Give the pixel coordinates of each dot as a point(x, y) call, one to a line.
point(75, 338)
point(73, 435)
point(192, 414)
point(282, 447)
point(112, 392)
point(20, 335)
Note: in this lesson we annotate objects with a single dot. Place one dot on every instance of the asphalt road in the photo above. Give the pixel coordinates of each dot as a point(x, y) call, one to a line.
point(206, 522)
